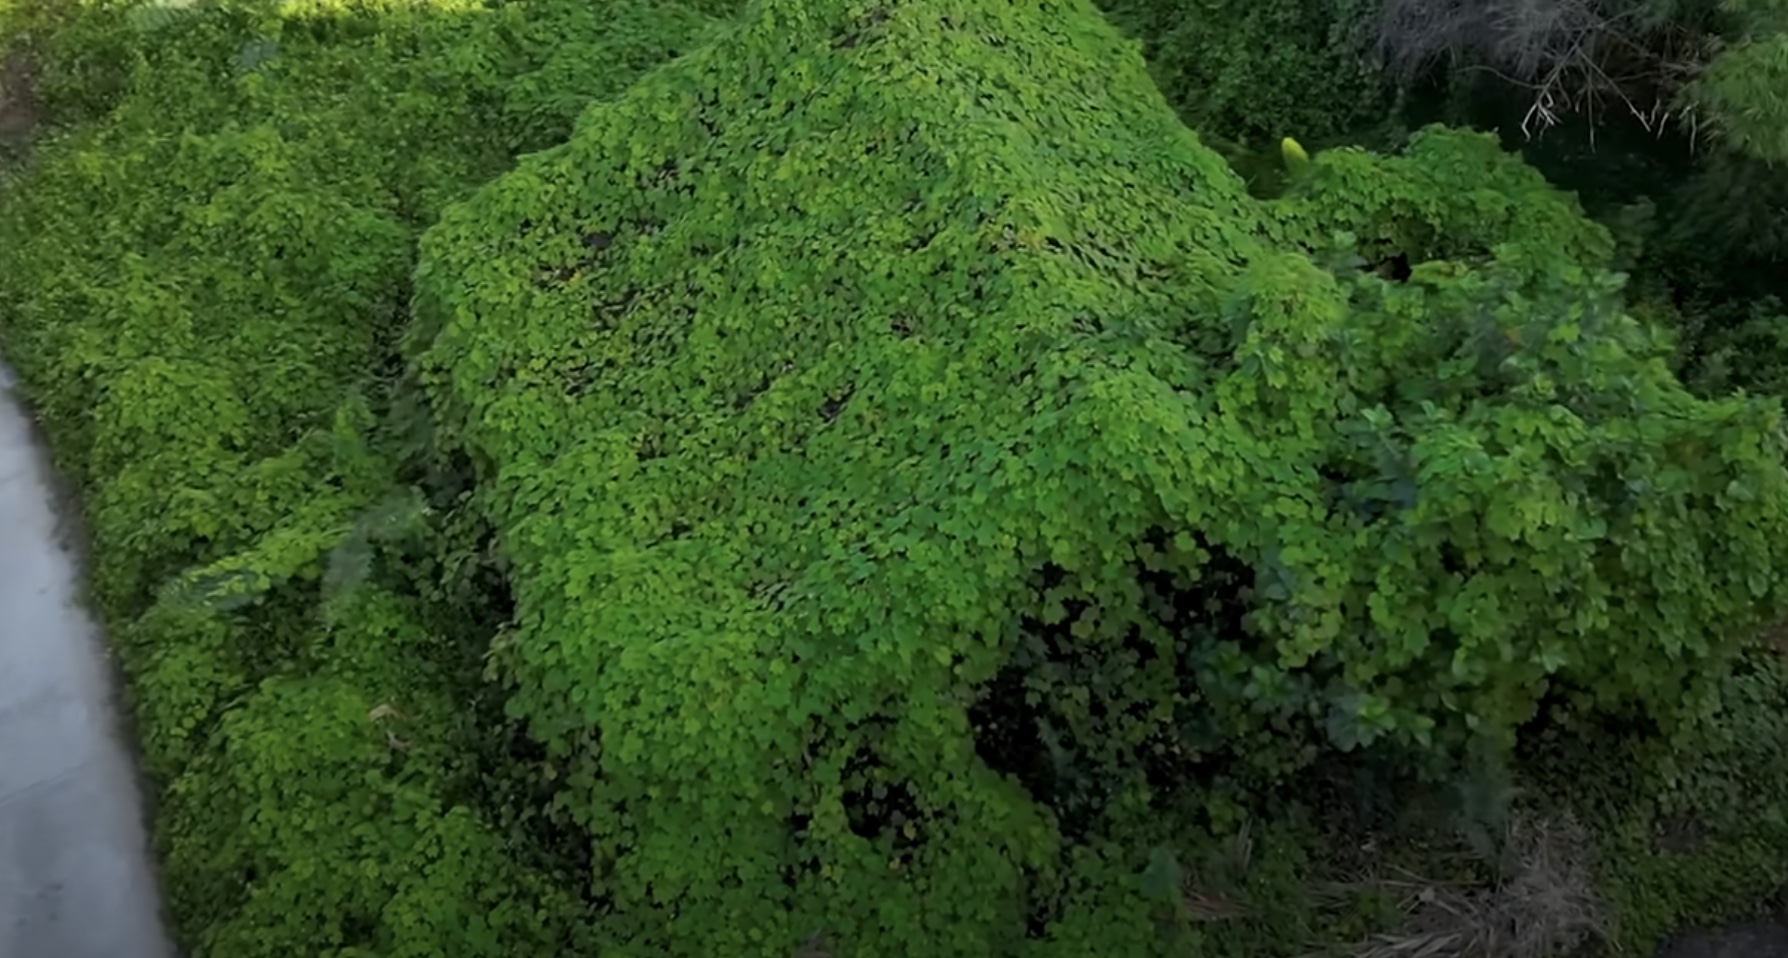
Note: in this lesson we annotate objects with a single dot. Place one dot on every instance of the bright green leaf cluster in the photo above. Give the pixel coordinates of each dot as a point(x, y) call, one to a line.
point(202, 288)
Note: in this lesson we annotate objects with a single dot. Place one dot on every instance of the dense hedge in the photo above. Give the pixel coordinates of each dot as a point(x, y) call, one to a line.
point(202, 288)
point(918, 458)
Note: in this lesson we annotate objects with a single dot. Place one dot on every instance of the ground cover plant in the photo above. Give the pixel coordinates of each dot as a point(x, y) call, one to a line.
point(826, 477)
point(210, 381)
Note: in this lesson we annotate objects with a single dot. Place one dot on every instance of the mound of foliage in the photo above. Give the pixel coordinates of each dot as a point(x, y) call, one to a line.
point(927, 481)
point(918, 462)
point(202, 286)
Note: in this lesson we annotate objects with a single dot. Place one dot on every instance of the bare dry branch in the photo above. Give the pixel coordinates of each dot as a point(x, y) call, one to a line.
point(1574, 56)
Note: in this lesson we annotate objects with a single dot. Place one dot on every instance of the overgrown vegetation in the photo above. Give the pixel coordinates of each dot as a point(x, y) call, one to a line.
point(203, 287)
point(824, 477)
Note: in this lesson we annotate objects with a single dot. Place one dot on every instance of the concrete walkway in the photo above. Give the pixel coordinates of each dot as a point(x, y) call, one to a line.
point(75, 873)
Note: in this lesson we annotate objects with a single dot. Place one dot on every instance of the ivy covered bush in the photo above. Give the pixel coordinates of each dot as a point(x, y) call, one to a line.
point(918, 461)
point(868, 480)
point(202, 286)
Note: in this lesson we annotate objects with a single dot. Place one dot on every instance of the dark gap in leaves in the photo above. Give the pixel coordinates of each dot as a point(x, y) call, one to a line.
point(798, 825)
point(1680, 834)
point(659, 340)
point(1557, 716)
point(835, 404)
point(880, 808)
point(1395, 268)
point(515, 779)
point(663, 176)
point(359, 928)
point(1216, 605)
point(805, 865)
point(1051, 718)
point(1041, 912)
point(1006, 735)
point(1171, 760)
point(880, 805)
point(772, 592)
point(1336, 477)
point(1363, 791)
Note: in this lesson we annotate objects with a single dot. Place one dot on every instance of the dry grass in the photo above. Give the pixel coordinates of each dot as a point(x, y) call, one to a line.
point(1546, 906)
point(813, 947)
point(1204, 899)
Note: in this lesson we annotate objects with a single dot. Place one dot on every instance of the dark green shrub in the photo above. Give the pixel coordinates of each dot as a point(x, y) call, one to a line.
point(1259, 71)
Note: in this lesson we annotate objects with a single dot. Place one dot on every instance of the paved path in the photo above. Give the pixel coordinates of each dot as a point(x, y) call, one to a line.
point(75, 873)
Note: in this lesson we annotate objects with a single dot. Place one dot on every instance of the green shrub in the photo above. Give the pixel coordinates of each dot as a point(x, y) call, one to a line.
point(1543, 469)
point(1448, 195)
point(201, 280)
point(920, 464)
point(916, 455)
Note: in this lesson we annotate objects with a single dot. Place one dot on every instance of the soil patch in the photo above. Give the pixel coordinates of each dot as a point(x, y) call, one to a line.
point(19, 110)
